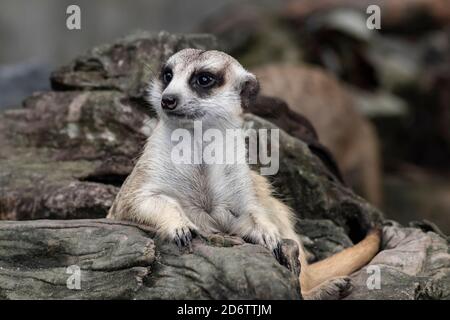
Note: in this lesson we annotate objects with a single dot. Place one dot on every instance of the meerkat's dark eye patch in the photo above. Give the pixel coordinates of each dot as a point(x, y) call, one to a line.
point(203, 81)
point(166, 75)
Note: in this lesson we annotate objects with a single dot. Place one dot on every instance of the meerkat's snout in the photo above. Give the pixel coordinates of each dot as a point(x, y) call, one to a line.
point(169, 101)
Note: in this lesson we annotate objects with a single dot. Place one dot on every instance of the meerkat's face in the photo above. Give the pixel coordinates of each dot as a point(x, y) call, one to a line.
point(202, 85)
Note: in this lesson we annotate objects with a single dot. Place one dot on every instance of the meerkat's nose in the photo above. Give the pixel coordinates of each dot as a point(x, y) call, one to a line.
point(169, 101)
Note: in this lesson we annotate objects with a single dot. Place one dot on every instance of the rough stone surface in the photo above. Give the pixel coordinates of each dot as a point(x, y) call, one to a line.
point(126, 65)
point(412, 265)
point(123, 261)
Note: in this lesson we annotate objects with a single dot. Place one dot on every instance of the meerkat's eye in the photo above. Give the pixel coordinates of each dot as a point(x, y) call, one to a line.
point(167, 76)
point(205, 80)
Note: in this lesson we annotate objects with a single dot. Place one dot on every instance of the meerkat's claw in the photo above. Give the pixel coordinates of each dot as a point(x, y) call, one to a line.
point(183, 238)
point(273, 243)
point(278, 253)
point(282, 258)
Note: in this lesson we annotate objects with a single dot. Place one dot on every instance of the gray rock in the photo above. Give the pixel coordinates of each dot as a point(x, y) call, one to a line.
point(113, 259)
point(412, 265)
point(126, 65)
point(122, 260)
point(322, 238)
point(119, 260)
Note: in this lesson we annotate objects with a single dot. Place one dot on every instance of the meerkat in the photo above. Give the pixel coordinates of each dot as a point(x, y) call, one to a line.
point(184, 200)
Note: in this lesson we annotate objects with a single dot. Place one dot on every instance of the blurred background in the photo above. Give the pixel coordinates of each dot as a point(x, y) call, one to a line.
point(379, 99)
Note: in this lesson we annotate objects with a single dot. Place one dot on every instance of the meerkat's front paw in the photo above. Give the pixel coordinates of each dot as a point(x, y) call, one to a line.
point(180, 232)
point(268, 238)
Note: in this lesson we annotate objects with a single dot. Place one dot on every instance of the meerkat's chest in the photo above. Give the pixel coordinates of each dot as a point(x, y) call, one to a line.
point(203, 186)
point(198, 187)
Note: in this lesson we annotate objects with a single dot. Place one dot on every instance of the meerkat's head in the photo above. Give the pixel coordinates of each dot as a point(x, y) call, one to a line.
point(202, 85)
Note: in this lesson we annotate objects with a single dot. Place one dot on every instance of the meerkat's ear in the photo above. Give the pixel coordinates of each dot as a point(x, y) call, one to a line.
point(249, 89)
